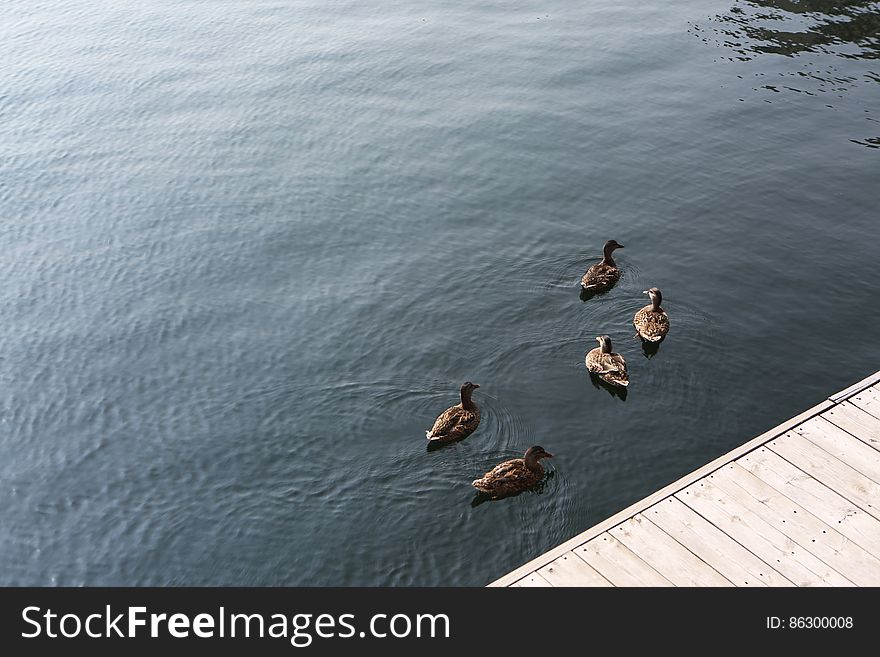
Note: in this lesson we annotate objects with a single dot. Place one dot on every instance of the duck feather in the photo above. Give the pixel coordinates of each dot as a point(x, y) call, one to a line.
point(652, 325)
point(600, 276)
point(610, 367)
point(455, 423)
point(509, 477)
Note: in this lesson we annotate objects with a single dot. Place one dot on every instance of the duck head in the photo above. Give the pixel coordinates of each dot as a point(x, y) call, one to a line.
point(467, 388)
point(656, 297)
point(605, 343)
point(609, 248)
point(534, 454)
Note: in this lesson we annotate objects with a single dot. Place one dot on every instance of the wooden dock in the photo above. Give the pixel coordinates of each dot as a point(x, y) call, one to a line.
point(797, 506)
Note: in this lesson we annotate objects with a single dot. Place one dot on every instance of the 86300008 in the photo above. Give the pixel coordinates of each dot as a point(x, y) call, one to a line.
point(809, 623)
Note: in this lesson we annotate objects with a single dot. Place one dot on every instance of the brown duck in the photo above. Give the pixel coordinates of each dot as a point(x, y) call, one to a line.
point(652, 322)
point(609, 366)
point(515, 475)
point(605, 273)
point(456, 422)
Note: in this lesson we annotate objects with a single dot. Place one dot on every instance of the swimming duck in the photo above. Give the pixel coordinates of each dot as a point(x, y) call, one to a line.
point(515, 475)
point(604, 274)
point(609, 366)
point(459, 421)
point(652, 322)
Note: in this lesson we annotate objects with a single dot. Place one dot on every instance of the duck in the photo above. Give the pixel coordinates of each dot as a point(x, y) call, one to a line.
point(456, 422)
point(605, 273)
point(609, 366)
point(515, 475)
point(652, 322)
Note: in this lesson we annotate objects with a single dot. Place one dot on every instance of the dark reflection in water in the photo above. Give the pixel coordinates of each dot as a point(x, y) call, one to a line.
point(831, 47)
point(650, 349)
point(614, 391)
point(586, 294)
point(845, 29)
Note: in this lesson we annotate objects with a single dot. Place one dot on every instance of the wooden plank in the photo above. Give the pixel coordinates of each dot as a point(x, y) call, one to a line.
point(842, 445)
point(854, 420)
point(712, 545)
point(801, 526)
point(571, 570)
point(867, 382)
point(666, 555)
point(640, 505)
point(533, 580)
point(815, 497)
point(618, 564)
point(756, 535)
point(832, 472)
point(868, 400)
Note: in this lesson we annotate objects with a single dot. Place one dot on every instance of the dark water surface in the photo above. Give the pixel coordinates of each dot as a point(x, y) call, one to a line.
point(250, 249)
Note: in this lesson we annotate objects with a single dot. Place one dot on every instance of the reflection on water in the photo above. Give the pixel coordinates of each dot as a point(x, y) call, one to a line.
point(614, 391)
point(846, 29)
point(586, 294)
point(650, 349)
point(831, 49)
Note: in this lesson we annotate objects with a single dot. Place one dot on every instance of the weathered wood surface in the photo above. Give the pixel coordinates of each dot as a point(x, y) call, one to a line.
point(713, 546)
point(571, 570)
point(618, 564)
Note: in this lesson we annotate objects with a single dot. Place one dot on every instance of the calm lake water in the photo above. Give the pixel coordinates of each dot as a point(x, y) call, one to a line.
point(251, 249)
